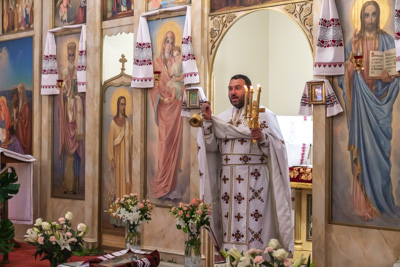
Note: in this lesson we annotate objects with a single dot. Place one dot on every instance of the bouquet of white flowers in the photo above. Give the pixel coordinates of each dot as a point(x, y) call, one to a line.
point(56, 240)
point(133, 212)
point(278, 257)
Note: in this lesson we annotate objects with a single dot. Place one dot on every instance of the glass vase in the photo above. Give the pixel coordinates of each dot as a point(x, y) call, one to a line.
point(192, 251)
point(133, 236)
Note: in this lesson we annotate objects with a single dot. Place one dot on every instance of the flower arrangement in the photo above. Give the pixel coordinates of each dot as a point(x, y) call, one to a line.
point(190, 218)
point(278, 257)
point(56, 240)
point(133, 212)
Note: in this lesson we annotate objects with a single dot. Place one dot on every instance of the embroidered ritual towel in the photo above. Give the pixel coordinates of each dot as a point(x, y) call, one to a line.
point(49, 71)
point(329, 55)
point(81, 69)
point(49, 67)
point(333, 106)
point(397, 33)
point(142, 73)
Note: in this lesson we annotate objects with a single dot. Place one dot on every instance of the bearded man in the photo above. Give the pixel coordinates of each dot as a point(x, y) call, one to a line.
point(250, 187)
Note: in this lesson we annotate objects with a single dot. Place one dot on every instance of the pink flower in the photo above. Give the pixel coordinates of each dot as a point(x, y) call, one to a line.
point(136, 195)
point(69, 234)
point(150, 206)
point(180, 213)
point(199, 212)
point(185, 208)
point(268, 249)
point(286, 263)
point(181, 204)
point(141, 205)
point(132, 194)
point(54, 223)
point(259, 259)
point(117, 201)
point(173, 209)
point(187, 215)
point(40, 240)
point(52, 238)
point(61, 220)
point(194, 201)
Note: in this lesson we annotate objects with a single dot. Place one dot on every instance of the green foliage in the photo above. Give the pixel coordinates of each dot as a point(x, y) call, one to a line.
point(6, 235)
point(88, 251)
point(309, 263)
point(8, 188)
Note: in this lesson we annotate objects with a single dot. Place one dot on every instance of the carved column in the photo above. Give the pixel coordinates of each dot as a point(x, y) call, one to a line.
point(297, 220)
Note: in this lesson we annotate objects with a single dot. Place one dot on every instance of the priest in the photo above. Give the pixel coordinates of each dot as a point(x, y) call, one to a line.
point(249, 185)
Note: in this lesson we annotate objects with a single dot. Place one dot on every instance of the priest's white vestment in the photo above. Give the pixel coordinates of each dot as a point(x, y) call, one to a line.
point(250, 186)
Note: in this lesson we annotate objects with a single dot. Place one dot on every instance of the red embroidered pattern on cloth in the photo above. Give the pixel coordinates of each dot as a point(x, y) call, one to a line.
point(187, 40)
point(329, 23)
point(190, 74)
point(330, 43)
point(49, 86)
point(303, 149)
point(397, 25)
point(331, 100)
point(256, 194)
point(328, 64)
point(256, 236)
point(256, 215)
point(329, 33)
point(48, 61)
point(82, 60)
point(148, 79)
point(143, 54)
point(304, 101)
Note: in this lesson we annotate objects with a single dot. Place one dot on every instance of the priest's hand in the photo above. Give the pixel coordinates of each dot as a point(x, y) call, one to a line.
point(206, 110)
point(385, 77)
point(256, 134)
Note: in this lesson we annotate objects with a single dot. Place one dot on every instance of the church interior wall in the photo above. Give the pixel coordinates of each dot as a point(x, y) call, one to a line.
point(339, 244)
point(333, 244)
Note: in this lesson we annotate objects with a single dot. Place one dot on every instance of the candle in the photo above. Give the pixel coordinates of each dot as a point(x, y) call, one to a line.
point(245, 101)
point(251, 101)
point(258, 97)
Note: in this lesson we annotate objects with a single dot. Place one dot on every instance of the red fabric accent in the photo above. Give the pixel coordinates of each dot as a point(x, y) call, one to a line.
point(23, 257)
point(300, 174)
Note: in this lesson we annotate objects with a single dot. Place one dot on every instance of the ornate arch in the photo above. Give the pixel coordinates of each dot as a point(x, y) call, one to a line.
point(301, 13)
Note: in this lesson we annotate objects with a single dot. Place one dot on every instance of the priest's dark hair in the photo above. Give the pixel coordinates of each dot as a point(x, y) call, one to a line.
point(244, 77)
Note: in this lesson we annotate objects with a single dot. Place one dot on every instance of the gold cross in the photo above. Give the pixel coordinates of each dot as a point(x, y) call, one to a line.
point(123, 60)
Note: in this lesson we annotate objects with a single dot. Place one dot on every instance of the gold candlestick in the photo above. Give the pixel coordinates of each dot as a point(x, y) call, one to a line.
point(251, 105)
point(258, 97)
point(245, 101)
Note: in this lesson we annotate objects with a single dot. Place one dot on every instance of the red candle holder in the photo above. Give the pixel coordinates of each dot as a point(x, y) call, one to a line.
point(358, 61)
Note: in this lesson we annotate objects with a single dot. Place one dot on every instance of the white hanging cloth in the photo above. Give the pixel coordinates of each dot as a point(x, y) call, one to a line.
point(397, 33)
point(142, 73)
point(333, 106)
point(50, 72)
point(329, 53)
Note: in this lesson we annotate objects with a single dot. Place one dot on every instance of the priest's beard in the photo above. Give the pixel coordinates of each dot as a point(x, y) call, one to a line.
point(239, 104)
